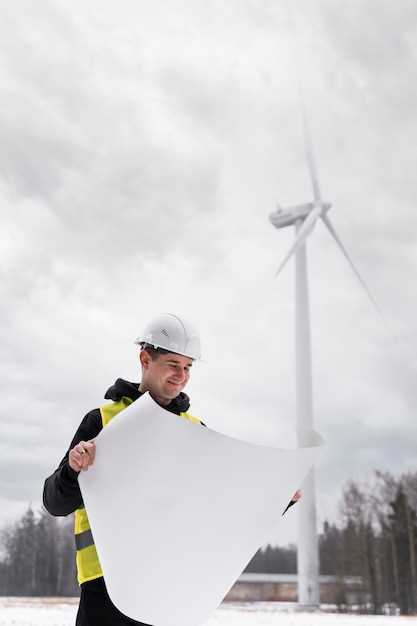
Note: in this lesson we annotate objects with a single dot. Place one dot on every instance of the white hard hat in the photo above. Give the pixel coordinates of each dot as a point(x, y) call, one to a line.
point(172, 333)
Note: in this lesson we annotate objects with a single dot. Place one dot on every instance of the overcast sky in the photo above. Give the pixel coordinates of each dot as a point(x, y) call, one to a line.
point(143, 146)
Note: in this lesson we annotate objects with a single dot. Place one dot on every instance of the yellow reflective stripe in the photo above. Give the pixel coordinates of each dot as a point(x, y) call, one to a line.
point(108, 411)
point(83, 540)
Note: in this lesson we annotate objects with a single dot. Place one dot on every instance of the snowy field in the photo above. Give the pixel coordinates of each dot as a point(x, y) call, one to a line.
point(53, 612)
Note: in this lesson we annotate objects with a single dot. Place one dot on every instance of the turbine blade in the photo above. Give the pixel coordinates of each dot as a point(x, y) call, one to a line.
point(349, 260)
point(311, 162)
point(296, 46)
point(302, 235)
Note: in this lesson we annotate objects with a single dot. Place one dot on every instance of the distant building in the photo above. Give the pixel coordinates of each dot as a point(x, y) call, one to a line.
point(254, 587)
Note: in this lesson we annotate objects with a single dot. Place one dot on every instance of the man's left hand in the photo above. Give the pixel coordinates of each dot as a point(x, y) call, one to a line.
point(296, 496)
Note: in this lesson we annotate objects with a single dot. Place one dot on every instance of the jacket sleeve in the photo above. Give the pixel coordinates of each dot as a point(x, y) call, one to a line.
point(61, 492)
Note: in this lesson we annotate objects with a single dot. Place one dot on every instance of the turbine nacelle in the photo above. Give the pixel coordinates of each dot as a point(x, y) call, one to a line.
point(309, 213)
point(287, 217)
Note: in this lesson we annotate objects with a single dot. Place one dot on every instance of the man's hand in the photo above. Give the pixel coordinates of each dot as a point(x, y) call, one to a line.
point(293, 500)
point(296, 496)
point(82, 455)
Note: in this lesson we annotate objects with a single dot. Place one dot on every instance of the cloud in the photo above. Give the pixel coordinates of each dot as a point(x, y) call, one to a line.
point(142, 150)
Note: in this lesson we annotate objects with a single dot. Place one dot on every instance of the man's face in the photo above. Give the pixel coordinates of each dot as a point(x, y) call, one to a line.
point(167, 375)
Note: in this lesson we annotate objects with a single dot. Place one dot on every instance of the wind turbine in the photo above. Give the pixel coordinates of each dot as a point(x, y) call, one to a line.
point(304, 217)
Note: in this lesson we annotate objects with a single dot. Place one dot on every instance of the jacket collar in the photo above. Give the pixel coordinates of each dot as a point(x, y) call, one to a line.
point(122, 387)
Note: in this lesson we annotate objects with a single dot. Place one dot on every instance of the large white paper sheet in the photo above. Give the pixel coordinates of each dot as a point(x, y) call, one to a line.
point(177, 510)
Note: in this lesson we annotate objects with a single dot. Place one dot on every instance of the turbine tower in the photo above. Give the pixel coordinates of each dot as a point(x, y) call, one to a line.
point(304, 217)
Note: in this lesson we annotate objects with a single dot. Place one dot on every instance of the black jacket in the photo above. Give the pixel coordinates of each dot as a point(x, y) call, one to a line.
point(61, 493)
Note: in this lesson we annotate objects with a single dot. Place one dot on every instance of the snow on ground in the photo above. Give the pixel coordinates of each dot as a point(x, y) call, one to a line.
point(61, 612)
point(38, 611)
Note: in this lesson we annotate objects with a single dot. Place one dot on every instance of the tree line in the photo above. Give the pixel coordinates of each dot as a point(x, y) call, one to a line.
point(38, 556)
point(375, 539)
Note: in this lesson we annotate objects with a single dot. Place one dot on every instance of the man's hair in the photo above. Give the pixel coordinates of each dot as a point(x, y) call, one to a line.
point(153, 352)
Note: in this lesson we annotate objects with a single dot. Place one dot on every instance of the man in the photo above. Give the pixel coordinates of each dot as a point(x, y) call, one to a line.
point(169, 346)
